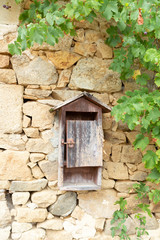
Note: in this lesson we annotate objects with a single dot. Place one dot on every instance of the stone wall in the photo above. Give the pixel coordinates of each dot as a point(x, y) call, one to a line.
point(31, 205)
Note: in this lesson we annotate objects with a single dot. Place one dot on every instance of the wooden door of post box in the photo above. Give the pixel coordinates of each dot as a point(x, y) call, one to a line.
point(80, 143)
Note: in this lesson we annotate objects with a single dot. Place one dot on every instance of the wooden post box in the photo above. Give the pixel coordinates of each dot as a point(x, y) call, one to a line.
point(80, 143)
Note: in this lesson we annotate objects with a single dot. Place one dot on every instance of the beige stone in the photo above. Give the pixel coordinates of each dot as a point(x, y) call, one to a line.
point(7, 39)
point(52, 224)
point(106, 150)
point(38, 145)
point(20, 227)
point(25, 186)
point(106, 121)
point(78, 213)
point(6, 29)
point(114, 137)
point(132, 203)
point(129, 223)
point(7, 76)
point(132, 167)
point(31, 132)
point(116, 153)
point(64, 94)
point(5, 233)
point(63, 44)
point(79, 35)
point(85, 48)
point(130, 155)
point(30, 215)
point(5, 217)
point(32, 72)
point(50, 169)
point(50, 102)
point(14, 165)
point(124, 186)
point(105, 174)
point(92, 36)
point(38, 93)
point(10, 16)
point(41, 117)
point(141, 167)
point(47, 135)
point(57, 235)
point(117, 170)
point(103, 50)
point(12, 142)
point(64, 78)
point(33, 234)
point(139, 176)
point(4, 184)
point(35, 157)
point(151, 222)
point(79, 231)
point(44, 198)
point(103, 199)
point(103, 97)
point(53, 184)
point(19, 198)
point(123, 195)
point(100, 224)
point(11, 108)
point(26, 121)
point(109, 183)
point(4, 61)
point(37, 173)
point(63, 59)
point(131, 136)
point(93, 74)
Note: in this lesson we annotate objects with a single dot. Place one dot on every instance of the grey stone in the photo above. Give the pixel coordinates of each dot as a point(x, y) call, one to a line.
point(65, 204)
point(37, 71)
point(130, 155)
point(25, 186)
point(94, 74)
point(129, 224)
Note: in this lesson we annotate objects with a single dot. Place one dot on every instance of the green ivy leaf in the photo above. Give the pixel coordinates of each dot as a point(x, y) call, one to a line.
point(150, 159)
point(141, 142)
point(142, 79)
point(157, 79)
point(154, 176)
point(15, 48)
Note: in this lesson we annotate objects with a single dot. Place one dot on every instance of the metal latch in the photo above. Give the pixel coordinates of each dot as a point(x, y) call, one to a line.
point(70, 142)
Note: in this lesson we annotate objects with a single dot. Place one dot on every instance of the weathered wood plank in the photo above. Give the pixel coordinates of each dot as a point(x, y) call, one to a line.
point(87, 150)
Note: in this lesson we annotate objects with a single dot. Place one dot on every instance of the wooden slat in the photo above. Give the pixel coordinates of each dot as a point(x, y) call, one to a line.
point(87, 150)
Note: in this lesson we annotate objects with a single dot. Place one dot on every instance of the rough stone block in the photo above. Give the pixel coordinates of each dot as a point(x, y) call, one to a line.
point(63, 59)
point(5, 233)
point(31, 215)
point(38, 145)
point(19, 198)
point(10, 16)
point(50, 169)
point(4, 61)
point(57, 235)
point(129, 224)
point(11, 108)
point(52, 224)
point(14, 165)
point(41, 117)
point(5, 217)
point(117, 170)
point(85, 48)
point(44, 198)
point(93, 74)
point(103, 199)
point(25, 186)
point(32, 72)
point(130, 155)
point(64, 205)
point(20, 227)
point(124, 186)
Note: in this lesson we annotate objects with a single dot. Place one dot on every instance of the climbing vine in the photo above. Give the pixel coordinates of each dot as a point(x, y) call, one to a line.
point(134, 33)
